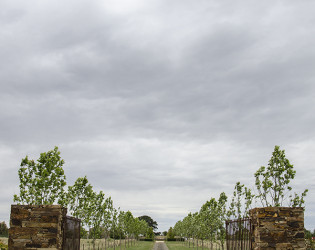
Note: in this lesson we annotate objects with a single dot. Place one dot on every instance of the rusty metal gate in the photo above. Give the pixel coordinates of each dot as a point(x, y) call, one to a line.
point(239, 234)
point(71, 233)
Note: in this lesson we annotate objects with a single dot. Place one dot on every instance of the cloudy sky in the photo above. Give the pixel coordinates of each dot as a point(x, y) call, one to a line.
point(163, 104)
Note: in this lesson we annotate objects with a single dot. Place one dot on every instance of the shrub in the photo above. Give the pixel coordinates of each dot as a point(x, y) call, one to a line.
point(144, 239)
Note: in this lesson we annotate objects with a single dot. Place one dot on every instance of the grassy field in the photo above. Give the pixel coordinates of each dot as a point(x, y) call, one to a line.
point(173, 245)
point(142, 245)
point(100, 245)
point(4, 240)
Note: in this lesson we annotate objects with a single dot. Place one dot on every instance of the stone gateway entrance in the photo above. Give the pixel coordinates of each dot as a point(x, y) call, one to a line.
point(278, 228)
point(267, 228)
point(43, 226)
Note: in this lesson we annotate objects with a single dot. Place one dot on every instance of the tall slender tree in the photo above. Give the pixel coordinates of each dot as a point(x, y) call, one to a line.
point(273, 181)
point(42, 182)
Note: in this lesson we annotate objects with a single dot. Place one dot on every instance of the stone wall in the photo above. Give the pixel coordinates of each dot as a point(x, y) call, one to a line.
point(38, 226)
point(278, 228)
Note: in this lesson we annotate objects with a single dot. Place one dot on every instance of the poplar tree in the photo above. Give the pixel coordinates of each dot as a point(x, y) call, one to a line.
point(42, 182)
point(273, 181)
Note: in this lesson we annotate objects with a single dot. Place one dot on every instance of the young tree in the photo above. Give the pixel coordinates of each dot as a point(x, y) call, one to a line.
point(107, 220)
point(178, 229)
point(80, 202)
point(121, 224)
point(213, 215)
point(42, 182)
point(98, 212)
point(202, 229)
point(241, 202)
point(150, 233)
point(187, 227)
point(195, 226)
point(143, 227)
point(297, 201)
point(170, 234)
point(129, 223)
point(4, 231)
point(114, 223)
point(222, 216)
point(138, 224)
point(208, 219)
point(78, 199)
point(272, 182)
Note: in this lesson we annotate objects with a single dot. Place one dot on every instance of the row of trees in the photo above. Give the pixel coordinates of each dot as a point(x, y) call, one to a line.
point(44, 182)
point(272, 189)
point(99, 214)
point(208, 223)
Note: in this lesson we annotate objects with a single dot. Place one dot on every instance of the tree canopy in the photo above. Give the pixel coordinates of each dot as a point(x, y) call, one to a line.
point(272, 182)
point(151, 223)
point(42, 182)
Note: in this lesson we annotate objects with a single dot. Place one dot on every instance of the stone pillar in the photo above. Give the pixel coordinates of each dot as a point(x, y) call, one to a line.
point(36, 226)
point(278, 228)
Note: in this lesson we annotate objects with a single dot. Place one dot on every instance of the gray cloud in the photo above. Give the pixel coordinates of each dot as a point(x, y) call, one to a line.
point(151, 96)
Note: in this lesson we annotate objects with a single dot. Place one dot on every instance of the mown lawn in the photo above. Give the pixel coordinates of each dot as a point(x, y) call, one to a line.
point(173, 245)
point(4, 240)
point(141, 245)
point(3, 243)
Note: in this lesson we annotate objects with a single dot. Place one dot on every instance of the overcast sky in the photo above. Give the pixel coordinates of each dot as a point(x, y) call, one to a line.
point(163, 104)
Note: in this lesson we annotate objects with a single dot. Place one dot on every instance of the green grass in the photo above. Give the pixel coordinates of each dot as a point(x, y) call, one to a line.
point(173, 245)
point(3, 243)
point(142, 245)
point(4, 240)
point(99, 245)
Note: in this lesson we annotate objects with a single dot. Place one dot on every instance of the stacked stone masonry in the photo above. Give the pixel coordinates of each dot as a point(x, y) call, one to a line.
point(278, 228)
point(36, 227)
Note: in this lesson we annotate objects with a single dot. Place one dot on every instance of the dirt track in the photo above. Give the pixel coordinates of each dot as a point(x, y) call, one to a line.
point(160, 245)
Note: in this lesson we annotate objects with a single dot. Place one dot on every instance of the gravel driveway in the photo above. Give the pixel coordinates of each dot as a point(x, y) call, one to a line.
point(160, 245)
